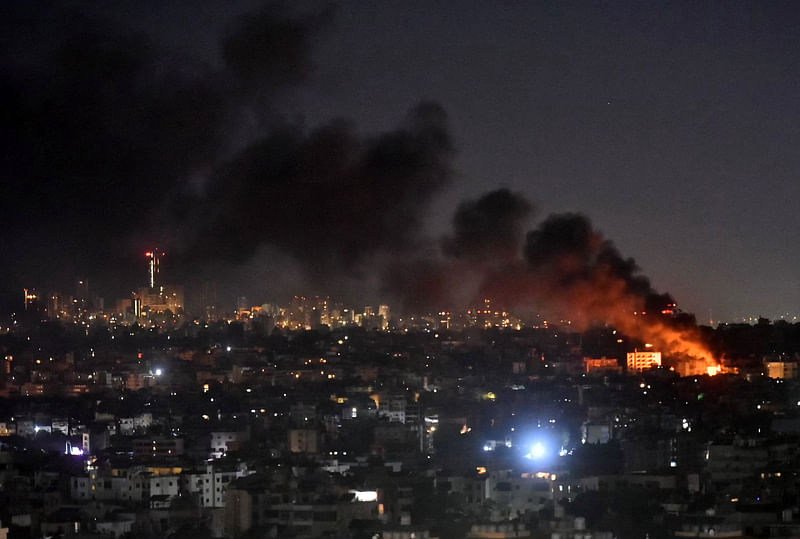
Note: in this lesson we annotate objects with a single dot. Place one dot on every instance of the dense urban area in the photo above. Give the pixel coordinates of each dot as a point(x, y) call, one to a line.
point(318, 420)
point(304, 269)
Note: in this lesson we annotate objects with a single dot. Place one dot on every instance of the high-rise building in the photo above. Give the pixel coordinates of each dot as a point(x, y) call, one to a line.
point(163, 298)
point(386, 316)
point(153, 263)
point(137, 306)
point(80, 302)
point(300, 313)
point(54, 305)
point(208, 300)
point(157, 297)
point(321, 306)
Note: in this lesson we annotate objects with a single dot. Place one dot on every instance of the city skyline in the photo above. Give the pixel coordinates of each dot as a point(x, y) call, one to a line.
point(399, 269)
point(657, 122)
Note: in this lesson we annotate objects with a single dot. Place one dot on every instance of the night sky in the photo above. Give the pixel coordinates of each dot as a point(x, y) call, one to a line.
point(316, 148)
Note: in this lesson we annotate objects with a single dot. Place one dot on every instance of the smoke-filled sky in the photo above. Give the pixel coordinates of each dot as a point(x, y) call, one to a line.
point(361, 149)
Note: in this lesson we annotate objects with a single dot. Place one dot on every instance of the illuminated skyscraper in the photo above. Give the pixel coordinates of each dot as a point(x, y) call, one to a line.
point(386, 316)
point(158, 297)
point(137, 306)
point(153, 261)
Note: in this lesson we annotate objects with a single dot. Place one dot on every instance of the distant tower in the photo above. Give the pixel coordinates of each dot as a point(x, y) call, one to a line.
point(386, 316)
point(136, 301)
point(208, 300)
point(54, 305)
point(153, 261)
point(82, 290)
point(31, 298)
point(81, 296)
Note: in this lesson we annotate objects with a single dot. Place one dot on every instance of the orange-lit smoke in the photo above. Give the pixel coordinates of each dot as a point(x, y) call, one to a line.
point(606, 299)
point(574, 273)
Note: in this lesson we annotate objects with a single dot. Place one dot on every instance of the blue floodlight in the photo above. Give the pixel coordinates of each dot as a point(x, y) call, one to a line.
point(538, 451)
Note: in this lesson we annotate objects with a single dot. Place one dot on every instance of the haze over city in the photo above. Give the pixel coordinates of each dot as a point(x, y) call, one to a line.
point(331, 155)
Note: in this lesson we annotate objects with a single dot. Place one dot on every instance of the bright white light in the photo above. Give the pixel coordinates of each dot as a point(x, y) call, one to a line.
point(228, 348)
point(538, 450)
point(159, 372)
point(487, 448)
point(365, 495)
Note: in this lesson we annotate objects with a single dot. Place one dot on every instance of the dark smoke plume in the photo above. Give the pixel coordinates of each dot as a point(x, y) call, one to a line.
point(572, 271)
point(269, 49)
point(487, 235)
point(113, 145)
point(488, 228)
point(564, 267)
point(565, 251)
point(329, 198)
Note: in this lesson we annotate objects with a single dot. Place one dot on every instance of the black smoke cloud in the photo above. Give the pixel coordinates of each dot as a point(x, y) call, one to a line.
point(487, 238)
point(565, 250)
point(489, 227)
point(114, 145)
point(330, 198)
point(269, 49)
point(563, 266)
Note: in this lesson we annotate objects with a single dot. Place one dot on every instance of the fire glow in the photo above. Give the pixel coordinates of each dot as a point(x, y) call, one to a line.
point(576, 273)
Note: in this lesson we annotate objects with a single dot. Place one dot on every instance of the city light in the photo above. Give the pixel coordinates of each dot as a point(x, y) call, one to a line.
point(537, 452)
point(365, 495)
